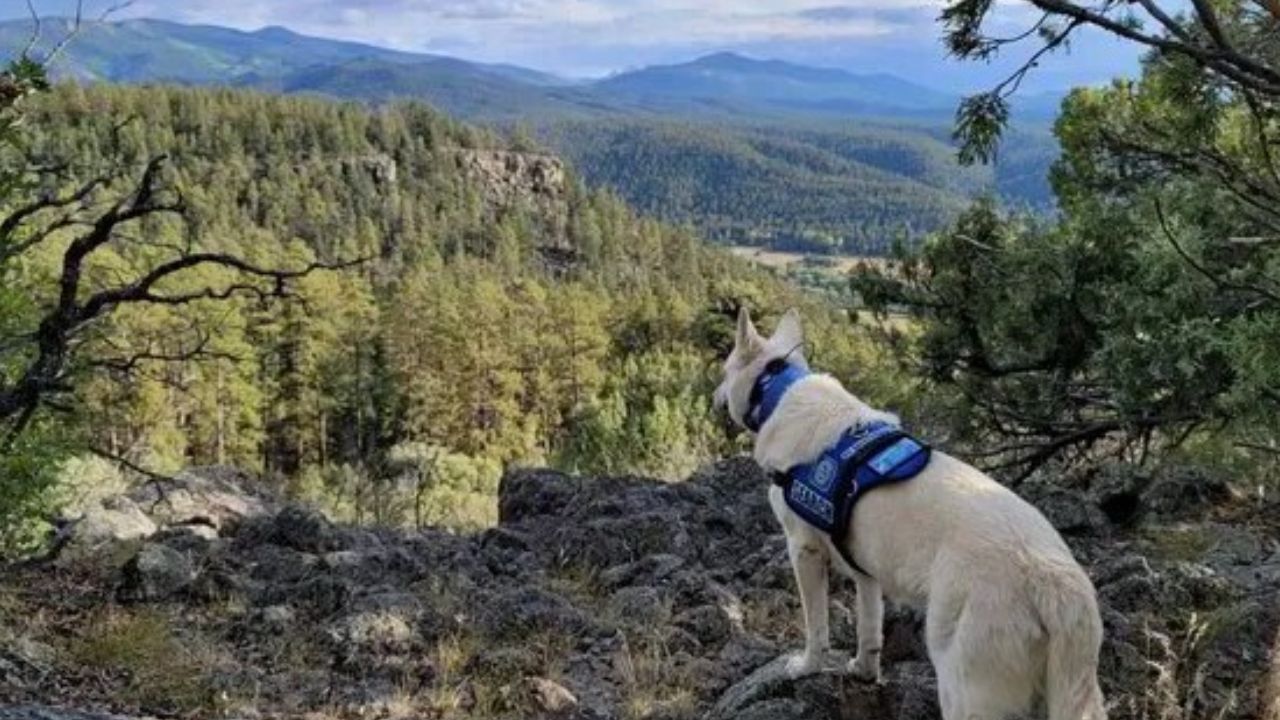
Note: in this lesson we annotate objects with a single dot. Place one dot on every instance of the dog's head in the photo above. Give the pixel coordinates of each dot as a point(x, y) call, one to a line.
point(751, 352)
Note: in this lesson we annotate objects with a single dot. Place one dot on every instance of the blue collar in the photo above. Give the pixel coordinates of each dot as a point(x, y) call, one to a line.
point(767, 392)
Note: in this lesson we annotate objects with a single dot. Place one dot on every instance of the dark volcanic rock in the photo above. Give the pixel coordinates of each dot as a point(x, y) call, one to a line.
point(305, 530)
point(39, 712)
point(622, 597)
point(157, 572)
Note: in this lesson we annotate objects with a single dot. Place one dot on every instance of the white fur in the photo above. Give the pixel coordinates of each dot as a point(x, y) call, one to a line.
point(1010, 615)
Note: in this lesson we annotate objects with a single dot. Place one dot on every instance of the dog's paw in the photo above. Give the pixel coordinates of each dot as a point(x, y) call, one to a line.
point(802, 664)
point(866, 667)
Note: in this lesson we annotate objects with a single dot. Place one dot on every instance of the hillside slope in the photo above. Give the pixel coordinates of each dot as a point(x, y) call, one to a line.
point(593, 598)
point(851, 191)
point(503, 312)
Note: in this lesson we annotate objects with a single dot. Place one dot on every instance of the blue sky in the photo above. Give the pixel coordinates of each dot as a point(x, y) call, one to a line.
point(595, 37)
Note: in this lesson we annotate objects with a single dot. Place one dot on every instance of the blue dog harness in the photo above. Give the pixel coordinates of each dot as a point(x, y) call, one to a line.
point(865, 457)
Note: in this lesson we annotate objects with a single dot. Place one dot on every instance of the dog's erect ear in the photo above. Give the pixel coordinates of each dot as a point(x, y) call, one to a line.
point(788, 334)
point(747, 335)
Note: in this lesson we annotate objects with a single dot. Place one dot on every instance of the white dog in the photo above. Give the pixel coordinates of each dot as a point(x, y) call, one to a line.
point(1010, 615)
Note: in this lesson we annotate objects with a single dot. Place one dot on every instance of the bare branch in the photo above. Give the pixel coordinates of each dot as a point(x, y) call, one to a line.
point(35, 30)
point(1011, 84)
point(1173, 26)
point(141, 290)
point(78, 24)
point(1208, 274)
point(16, 218)
point(55, 338)
point(158, 478)
point(1209, 19)
point(130, 362)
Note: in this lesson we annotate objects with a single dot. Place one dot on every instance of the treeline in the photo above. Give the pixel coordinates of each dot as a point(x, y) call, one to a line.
point(550, 326)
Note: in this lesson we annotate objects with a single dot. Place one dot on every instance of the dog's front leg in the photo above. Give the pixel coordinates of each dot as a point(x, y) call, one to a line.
point(866, 666)
point(810, 564)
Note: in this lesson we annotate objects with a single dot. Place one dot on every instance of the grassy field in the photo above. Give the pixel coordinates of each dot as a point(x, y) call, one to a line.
point(834, 267)
point(837, 264)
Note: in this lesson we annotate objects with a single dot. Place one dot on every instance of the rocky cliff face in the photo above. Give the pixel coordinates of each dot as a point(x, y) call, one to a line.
point(509, 177)
point(593, 598)
point(512, 181)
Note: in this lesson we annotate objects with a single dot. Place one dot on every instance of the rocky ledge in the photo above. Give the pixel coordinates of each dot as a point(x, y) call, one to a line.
point(593, 598)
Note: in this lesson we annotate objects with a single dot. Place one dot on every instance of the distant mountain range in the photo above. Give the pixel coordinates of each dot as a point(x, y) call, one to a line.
point(729, 79)
point(832, 131)
point(276, 58)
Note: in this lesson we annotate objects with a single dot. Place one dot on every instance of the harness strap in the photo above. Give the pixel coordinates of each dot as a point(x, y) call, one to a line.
point(783, 480)
point(843, 516)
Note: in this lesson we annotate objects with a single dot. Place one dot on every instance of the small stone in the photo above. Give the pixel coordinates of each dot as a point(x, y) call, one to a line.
point(551, 696)
point(374, 631)
point(276, 618)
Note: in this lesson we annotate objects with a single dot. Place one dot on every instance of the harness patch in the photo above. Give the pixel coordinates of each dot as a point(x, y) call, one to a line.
point(824, 491)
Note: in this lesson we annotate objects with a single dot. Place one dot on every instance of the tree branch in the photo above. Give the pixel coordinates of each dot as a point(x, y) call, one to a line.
point(15, 219)
point(1200, 268)
point(35, 31)
point(44, 378)
point(77, 25)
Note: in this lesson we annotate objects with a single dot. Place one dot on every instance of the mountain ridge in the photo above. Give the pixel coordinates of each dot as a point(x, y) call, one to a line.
point(854, 160)
point(87, 55)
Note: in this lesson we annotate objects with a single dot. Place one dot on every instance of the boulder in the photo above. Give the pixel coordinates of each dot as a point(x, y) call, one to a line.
point(104, 528)
point(603, 597)
point(1070, 512)
point(520, 612)
point(157, 572)
point(524, 494)
point(191, 507)
point(639, 606)
point(213, 496)
point(304, 529)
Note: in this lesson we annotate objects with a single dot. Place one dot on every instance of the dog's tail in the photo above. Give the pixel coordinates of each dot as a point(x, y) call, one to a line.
point(1069, 610)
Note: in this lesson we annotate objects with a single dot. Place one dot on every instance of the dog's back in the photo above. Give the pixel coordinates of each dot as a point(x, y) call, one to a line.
point(1010, 613)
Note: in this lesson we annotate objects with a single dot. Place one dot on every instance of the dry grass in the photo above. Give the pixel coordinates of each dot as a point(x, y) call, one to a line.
point(775, 617)
point(1179, 544)
point(465, 688)
point(154, 667)
point(652, 682)
point(1271, 693)
point(580, 584)
point(450, 694)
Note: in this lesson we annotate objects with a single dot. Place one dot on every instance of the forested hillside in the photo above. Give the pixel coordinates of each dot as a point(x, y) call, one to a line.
point(502, 313)
point(753, 151)
point(856, 186)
